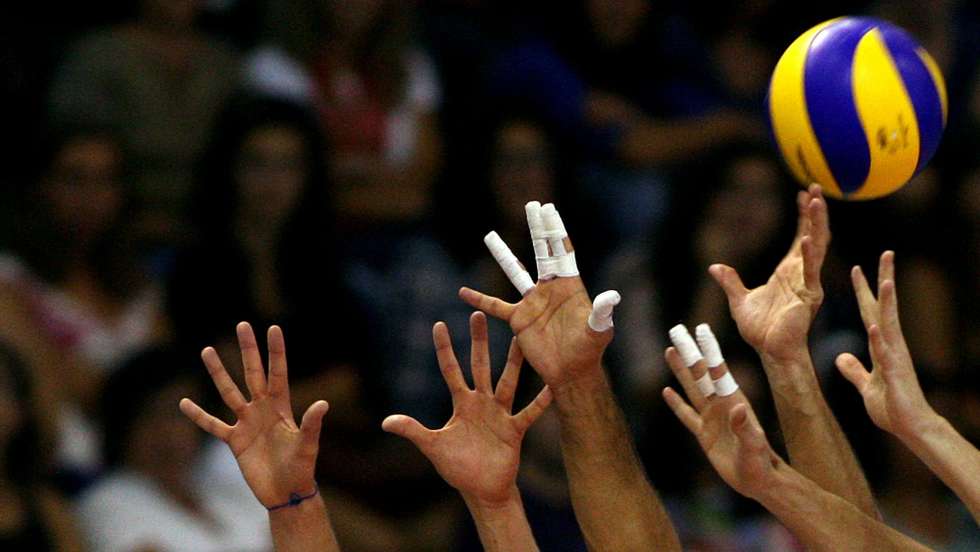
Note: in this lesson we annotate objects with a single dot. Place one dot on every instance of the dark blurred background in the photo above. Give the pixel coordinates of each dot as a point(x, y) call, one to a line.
point(175, 166)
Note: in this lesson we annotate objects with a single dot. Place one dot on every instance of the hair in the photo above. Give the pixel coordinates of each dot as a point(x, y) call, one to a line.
point(46, 249)
point(129, 389)
point(215, 204)
point(27, 456)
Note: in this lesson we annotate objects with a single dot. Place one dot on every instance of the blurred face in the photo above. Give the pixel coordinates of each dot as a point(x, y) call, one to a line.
point(82, 189)
point(272, 170)
point(743, 217)
point(522, 170)
point(617, 21)
point(161, 440)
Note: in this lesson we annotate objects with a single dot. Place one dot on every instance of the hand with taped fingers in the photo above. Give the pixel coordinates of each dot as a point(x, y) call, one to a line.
point(775, 317)
point(478, 450)
point(891, 391)
point(719, 415)
point(562, 333)
point(276, 456)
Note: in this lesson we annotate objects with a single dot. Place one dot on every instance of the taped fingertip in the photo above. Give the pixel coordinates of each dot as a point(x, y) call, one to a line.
point(688, 349)
point(600, 319)
point(709, 345)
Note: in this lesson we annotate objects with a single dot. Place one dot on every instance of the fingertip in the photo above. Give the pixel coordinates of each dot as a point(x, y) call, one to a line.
point(389, 423)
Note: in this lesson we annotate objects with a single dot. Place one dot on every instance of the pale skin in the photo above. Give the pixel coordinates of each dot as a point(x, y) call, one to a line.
point(478, 450)
point(892, 394)
point(775, 319)
point(276, 456)
point(730, 435)
point(615, 504)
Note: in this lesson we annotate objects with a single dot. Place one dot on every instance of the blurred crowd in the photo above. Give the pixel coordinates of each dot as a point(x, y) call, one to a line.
point(332, 166)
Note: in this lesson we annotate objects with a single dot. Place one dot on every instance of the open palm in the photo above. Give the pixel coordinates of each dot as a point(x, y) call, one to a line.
point(275, 456)
point(775, 318)
point(891, 391)
point(478, 450)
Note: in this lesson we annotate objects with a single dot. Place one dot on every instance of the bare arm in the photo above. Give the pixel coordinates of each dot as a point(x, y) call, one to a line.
point(563, 338)
point(478, 451)
point(775, 319)
point(276, 457)
point(723, 422)
point(892, 394)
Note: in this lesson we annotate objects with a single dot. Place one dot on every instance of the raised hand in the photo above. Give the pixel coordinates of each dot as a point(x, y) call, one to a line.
point(562, 333)
point(775, 318)
point(478, 450)
point(276, 457)
point(891, 390)
point(719, 415)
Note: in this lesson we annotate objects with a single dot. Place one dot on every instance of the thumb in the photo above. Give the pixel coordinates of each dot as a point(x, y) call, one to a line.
point(729, 280)
point(407, 427)
point(600, 319)
point(853, 370)
point(312, 422)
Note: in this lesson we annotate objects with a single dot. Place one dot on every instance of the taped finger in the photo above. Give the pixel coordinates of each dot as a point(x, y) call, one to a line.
point(508, 263)
point(538, 241)
point(601, 317)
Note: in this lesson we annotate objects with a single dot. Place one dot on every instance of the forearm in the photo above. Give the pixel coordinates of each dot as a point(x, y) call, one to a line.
point(614, 502)
point(951, 457)
point(824, 521)
point(303, 528)
point(814, 440)
point(502, 527)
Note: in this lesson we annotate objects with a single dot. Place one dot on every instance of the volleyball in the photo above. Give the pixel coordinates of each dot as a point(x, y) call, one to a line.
point(858, 106)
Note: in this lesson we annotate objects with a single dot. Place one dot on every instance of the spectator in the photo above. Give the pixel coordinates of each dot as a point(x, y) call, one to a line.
point(160, 83)
point(79, 299)
point(152, 498)
point(35, 515)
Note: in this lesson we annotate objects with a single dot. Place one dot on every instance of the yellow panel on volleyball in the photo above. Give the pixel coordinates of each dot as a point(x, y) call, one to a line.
point(790, 121)
point(887, 115)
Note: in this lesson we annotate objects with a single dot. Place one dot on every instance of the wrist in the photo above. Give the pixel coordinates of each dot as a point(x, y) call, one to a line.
point(930, 428)
point(293, 499)
point(572, 393)
point(302, 510)
point(493, 506)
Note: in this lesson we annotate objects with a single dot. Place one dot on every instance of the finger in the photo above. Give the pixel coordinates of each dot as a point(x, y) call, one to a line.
point(697, 396)
point(888, 312)
point(853, 371)
point(819, 221)
point(746, 428)
point(496, 308)
point(878, 347)
point(480, 353)
point(409, 428)
point(448, 364)
point(310, 426)
point(562, 257)
point(204, 420)
point(525, 418)
point(722, 380)
point(730, 282)
point(251, 360)
point(508, 263)
point(278, 376)
point(507, 385)
point(867, 304)
point(684, 413)
point(601, 317)
point(812, 264)
point(886, 268)
point(693, 360)
point(802, 215)
point(229, 392)
point(536, 225)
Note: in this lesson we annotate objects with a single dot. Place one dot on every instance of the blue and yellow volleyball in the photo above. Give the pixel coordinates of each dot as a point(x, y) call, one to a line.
point(858, 106)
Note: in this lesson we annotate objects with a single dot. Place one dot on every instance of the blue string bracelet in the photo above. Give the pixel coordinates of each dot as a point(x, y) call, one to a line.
point(295, 499)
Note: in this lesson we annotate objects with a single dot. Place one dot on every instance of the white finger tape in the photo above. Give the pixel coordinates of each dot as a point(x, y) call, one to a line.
point(508, 262)
point(705, 385)
point(538, 240)
point(568, 268)
point(685, 344)
point(549, 215)
point(709, 345)
point(601, 317)
point(725, 385)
